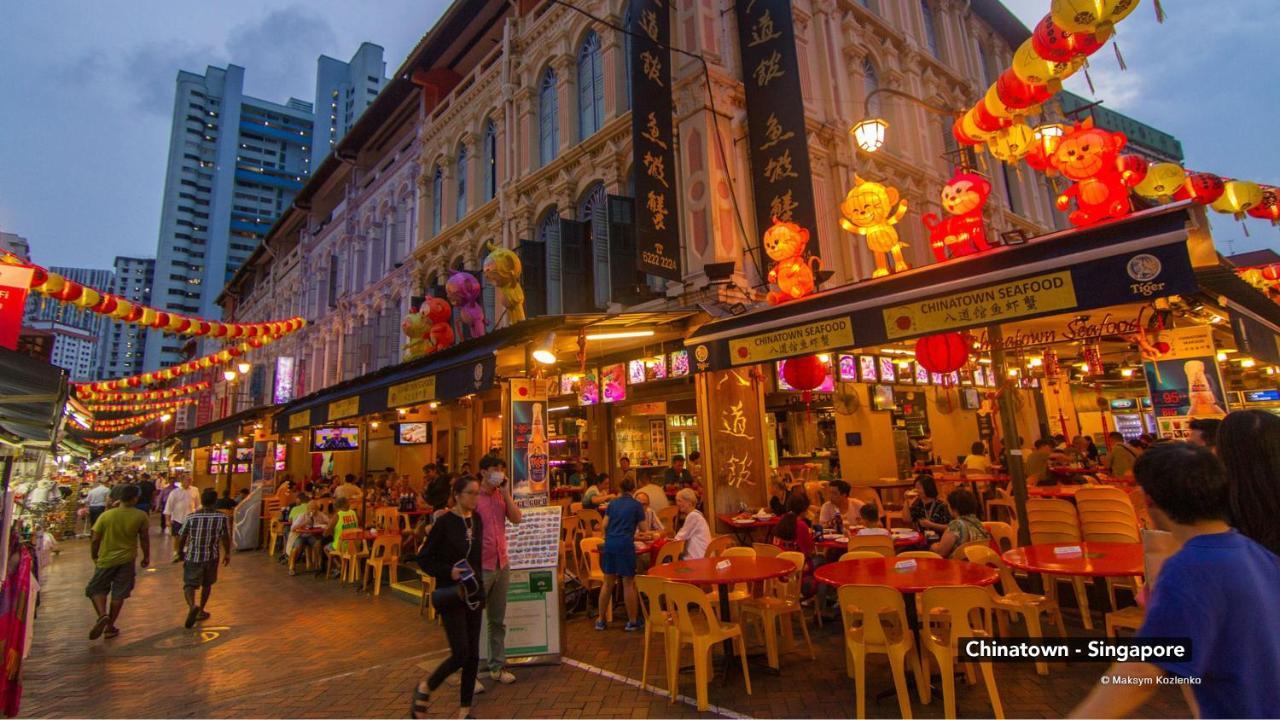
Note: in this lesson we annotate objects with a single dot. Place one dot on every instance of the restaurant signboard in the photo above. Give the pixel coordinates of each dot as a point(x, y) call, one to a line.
point(653, 141)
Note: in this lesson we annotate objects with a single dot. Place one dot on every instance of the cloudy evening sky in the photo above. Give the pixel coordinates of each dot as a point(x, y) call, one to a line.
point(87, 92)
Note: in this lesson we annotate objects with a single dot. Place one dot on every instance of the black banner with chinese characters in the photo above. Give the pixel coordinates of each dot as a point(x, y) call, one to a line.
point(775, 117)
point(653, 141)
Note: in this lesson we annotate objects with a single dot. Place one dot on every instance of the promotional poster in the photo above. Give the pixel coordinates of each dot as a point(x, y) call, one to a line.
point(1185, 383)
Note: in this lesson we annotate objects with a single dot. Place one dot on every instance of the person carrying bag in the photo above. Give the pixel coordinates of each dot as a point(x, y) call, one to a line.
point(452, 555)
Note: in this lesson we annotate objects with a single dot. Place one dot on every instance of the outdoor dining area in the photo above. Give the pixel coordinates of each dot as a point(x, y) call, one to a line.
point(899, 605)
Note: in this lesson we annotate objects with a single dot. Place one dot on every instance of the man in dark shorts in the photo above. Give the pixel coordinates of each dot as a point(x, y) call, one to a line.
point(117, 533)
point(198, 542)
point(618, 555)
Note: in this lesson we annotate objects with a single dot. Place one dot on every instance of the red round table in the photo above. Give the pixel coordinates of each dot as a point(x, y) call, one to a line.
point(355, 533)
point(1095, 559)
point(309, 530)
point(900, 540)
point(928, 572)
point(703, 571)
point(742, 527)
point(1064, 492)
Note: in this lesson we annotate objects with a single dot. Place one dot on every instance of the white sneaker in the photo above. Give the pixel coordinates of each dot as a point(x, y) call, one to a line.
point(502, 676)
point(455, 680)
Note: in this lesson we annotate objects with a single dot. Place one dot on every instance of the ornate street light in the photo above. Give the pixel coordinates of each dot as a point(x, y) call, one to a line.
point(870, 133)
point(229, 375)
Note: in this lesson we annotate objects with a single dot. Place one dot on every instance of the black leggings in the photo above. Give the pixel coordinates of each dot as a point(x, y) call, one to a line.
point(462, 627)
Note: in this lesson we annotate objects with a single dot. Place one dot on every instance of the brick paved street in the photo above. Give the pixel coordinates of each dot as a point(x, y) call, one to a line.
point(278, 646)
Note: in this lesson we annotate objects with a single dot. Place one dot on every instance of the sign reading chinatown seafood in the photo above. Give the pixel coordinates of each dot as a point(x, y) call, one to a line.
point(775, 117)
point(14, 281)
point(799, 340)
point(415, 391)
point(653, 140)
point(1081, 328)
point(993, 303)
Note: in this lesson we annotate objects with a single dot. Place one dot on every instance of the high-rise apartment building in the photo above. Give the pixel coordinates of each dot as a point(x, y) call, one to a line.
point(16, 244)
point(122, 345)
point(235, 163)
point(343, 91)
point(76, 331)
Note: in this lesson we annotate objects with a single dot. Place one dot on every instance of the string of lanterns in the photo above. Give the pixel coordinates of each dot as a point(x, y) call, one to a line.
point(56, 287)
point(129, 407)
point(84, 392)
point(118, 424)
point(221, 357)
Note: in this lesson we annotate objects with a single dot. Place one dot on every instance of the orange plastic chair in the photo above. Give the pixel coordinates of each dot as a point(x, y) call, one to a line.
point(875, 621)
point(594, 577)
point(699, 628)
point(780, 602)
point(1012, 600)
point(882, 544)
point(669, 552)
point(659, 620)
point(384, 555)
point(959, 605)
point(719, 544)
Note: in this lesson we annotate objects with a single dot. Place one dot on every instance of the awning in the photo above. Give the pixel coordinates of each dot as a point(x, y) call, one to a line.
point(32, 395)
point(1255, 318)
point(1136, 259)
point(227, 428)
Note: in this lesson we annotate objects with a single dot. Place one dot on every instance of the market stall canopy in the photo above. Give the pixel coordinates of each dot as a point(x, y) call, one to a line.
point(1142, 257)
point(32, 395)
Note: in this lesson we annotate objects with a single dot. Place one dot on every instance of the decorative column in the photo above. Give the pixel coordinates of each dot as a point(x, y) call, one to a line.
point(731, 415)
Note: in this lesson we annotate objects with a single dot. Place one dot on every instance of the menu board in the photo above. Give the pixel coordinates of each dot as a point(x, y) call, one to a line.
point(535, 542)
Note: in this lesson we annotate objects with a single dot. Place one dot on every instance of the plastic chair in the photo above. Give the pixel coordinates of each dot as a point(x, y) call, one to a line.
point(738, 551)
point(658, 620)
point(1055, 521)
point(386, 518)
point(719, 544)
point(575, 508)
point(959, 605)
point(590, 548)
point(385, 554)
point(1005, 535)
point(592, 522)
point(861, 555)
point(346, 555)
point(882, 544)
point(740, 591)
point(766, 550)
point(920, 554)
point(276, 532)
point(428, 587)
point(1002, 501)
point(781, 601)
point(875, 621)
point(1130, 618)
point(701, 630)
point(669, 552)
point(1011, 599)
point(667, 516)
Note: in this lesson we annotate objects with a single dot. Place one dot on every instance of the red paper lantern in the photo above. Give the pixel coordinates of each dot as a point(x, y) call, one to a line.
point(986, 121)
point(804, 374)
point(957, 131)
point(944, 353)
point(1268, 209)
point(1018, 95)
point(1057, 45)
point(38, 277)
point(1203, 188)
point(1133, 169)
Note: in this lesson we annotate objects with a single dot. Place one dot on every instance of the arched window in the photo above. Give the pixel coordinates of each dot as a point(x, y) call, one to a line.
point(593, 208)
point(460, 208)
point(490, 159)
point(590, 87)
point(437, 200)
point(549, 232)
point(548, 120)
point(871, 83)
point(930, 30)
point(626, 57)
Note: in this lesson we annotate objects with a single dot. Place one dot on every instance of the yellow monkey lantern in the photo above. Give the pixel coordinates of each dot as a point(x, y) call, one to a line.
point(871, 210)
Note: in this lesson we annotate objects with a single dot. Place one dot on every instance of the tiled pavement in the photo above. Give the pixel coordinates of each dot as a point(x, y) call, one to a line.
point(299, 647)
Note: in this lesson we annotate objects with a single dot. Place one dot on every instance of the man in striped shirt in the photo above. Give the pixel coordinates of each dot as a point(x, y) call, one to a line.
point(202, 533)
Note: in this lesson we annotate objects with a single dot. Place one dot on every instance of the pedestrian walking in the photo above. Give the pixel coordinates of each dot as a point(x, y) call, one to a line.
point(182, 502)
point(117, 534)
point(453, 556)
point(205, 532)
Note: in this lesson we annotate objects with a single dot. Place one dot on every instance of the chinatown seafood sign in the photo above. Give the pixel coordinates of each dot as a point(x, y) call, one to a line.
point(1080, 328)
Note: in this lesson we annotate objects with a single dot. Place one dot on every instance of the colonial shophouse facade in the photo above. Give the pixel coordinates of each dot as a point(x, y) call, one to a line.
point(509, 120)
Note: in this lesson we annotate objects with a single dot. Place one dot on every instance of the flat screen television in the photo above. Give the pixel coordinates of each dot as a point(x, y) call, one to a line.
point(324, 439)
point(888, 372)
point(282, 457)
point(970, 398)
point(882, 397)
point(413, 433)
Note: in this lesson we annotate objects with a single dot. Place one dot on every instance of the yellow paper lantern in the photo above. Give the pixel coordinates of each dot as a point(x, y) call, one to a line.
point(123, 308)
point(994, 105)
point(224, 356)
point(148, 317)
point(971, 129)
point(88, 298)
point(1012, 143)
point(1030, 67)
point(1092, 16)
point(55, 283)
point(1162, 181)
point(1237, 197)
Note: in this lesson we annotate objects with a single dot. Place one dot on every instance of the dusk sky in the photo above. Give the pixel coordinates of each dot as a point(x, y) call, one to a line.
point(88, 96)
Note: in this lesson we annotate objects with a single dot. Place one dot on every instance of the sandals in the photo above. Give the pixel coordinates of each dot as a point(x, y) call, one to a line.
point(193, 614)
point(101, 624)
point(418, 706)
point(111, 632)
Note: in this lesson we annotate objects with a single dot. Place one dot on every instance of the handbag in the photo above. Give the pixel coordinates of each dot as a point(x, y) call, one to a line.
point(468, 593)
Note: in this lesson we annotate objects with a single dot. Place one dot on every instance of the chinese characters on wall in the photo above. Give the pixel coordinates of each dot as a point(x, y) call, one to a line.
point(775, 116)
point(657, 203)
point(736, 441)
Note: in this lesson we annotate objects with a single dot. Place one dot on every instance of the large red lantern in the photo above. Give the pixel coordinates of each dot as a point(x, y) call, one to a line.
point(1269, 208)
point(1057, 45)
point(944, 353)
point(804, 374)
point(1203, 188)
point(1018, 95)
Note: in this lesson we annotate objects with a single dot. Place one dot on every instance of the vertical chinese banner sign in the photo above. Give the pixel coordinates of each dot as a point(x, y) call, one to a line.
point(736, 469)
point(653, 141)
point(14, 281)
point(1185, 382)
point(775, 117)
point(527, 413)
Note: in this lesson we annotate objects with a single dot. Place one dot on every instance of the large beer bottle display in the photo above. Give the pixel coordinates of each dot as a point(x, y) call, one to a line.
point(537, 453)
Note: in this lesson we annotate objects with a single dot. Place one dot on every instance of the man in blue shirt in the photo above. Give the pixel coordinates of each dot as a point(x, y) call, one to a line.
point(1218, 590)
point(618, 555)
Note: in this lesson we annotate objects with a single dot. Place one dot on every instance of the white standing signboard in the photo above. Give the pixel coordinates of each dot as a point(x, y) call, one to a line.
point(533, 597)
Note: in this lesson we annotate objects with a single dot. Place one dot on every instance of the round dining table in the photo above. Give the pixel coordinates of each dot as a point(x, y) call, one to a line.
point(743, 526)
point(898, 574)
point(1093, 559)
point(1061, 492)
point(902, 538)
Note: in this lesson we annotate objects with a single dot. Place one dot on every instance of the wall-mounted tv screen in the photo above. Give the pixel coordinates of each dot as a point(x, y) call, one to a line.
point(324, 439)
point(413, 433)
point(882, 397)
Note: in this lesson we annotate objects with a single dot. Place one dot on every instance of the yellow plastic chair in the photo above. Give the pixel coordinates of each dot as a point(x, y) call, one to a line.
point(575, 508)
point(1003, 502)
point(1054, 521)
point(669, 552)
point(882, 544)
point(1005, 535)
point(719, 544)
point(592, 523)
point(386, 518)
point(594, 577)
point(701, 630)
point(1129, 618)
point(959, 605)
point(658, 621)
point(738, 551)
point(740, 591)
point(1012, 600)
point(920, 554)
point(766, 550)
point(385, 554)
point(347, 557)
point(875, 621)
point(780, 602)
point(861, 555)
point(428, 587)
point(275, 533)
